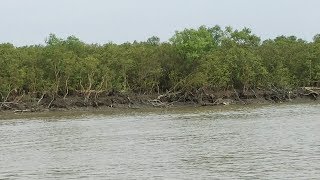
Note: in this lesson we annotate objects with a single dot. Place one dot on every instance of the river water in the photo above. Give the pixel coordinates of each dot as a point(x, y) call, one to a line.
point(267, 142)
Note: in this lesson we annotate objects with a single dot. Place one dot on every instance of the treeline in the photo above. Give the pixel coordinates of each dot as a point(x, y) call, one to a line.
point(208, 57)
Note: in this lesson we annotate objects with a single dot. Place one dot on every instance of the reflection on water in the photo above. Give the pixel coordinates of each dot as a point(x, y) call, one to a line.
point(270, 142)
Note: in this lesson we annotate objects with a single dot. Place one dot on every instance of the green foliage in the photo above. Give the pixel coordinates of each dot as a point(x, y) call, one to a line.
point(207, 57)
point(192, 44)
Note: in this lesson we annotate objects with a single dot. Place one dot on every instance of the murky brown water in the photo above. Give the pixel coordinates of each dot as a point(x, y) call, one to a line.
point(271, 142)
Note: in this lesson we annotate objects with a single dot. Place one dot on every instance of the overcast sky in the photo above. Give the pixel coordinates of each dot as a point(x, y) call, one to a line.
point(24, 22)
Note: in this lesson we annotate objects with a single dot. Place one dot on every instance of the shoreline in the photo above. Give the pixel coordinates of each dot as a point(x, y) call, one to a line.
point(76, 113)
point(128, 103)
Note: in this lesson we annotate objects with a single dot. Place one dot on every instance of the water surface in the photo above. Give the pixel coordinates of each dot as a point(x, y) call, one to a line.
point(268, 142)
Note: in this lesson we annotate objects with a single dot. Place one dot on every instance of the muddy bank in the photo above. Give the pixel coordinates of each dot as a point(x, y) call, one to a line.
point(171, 99)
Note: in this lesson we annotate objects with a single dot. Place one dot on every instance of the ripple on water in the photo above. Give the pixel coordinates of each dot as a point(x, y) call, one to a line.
point(270, 142)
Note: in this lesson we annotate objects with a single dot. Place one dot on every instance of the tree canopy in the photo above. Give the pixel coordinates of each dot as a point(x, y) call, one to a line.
point(207, 57)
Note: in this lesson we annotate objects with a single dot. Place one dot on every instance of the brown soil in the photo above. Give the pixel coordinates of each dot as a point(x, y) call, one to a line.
point(119, 100)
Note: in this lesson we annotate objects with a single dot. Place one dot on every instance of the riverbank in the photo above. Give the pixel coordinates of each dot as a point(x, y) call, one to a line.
point(121, 101)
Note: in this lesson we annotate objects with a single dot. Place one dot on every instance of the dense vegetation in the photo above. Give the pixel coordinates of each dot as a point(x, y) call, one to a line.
point(208, 57)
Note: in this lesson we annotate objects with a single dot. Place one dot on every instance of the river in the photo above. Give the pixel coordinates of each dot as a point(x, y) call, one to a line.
point(264, 142)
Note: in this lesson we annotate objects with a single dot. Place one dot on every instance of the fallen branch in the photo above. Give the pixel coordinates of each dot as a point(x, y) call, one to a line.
point(41, 98)
point(26, 110)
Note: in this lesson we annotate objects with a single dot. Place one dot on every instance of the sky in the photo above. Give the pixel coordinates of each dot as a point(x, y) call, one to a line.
point(26, 22)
